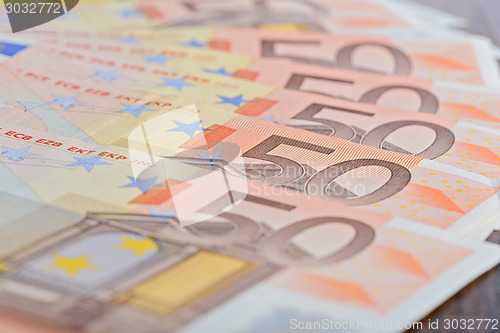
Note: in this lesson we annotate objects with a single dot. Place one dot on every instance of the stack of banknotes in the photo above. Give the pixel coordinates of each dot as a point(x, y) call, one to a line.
point(244, 166)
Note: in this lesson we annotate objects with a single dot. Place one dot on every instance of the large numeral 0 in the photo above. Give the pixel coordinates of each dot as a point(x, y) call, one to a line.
point(275, 247)
point(428, 102)
point(403, 63)
point(443, 142)
point(318, 185)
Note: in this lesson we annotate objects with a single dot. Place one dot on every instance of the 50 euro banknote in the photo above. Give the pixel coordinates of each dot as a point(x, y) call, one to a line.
point(446, 100)
point(341, 171)
point(268, 250)
point(466, 60)
point(93, 111)
point(469, 61)
point(235, 13)
point(92, 114)
point(181, 55)
point(455, 143)
point(98, 125)
point(200, 87)
point(83, 109)
point(285, 15)
point(335, 16)
point(400, 92)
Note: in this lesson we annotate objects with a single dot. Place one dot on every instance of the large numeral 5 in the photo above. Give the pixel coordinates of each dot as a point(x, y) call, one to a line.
point(290, 170)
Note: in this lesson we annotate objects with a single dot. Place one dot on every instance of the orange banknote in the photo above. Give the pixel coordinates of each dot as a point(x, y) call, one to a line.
point(457, 143)
point(454, 59)
point(446, 100)
point(469, 61)
point(268, 249)
point(396, 91)
point(83, 109)
point(334, 169)
point(332, 15)
point(457, 60)
point(90, 108)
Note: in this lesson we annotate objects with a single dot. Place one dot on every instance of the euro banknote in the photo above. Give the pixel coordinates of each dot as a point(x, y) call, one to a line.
point(182, 55)
point(468, 60)
point(93, 122)
point(106, 271)
point(131, 36)
point(429, 15)
point(464, 60)
point(118, 136)
point(458, 60)
point(455, 143)
point(202, 87)
point(247, 13)
point(335, 169)
point(82, 109)
point(334, 16)
point(446, 100)
point(461, 186)
point(164, 168)
point(400, 92)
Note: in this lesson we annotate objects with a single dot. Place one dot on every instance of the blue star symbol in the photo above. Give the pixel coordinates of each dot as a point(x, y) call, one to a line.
point(159, 58)
point(213, 157)
point(16, 155)
point(66, 102)
point(128, 40)
point(193, 43)
point(189, 129)
point(142, 184)
point(220, 71)
point(106, 75)
point(135, 110)
point(88, 163)
point(4, 105)
point(236, 100)
point(127, 13)
point(270, 118)
point(175, 83)
point(168, 213)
